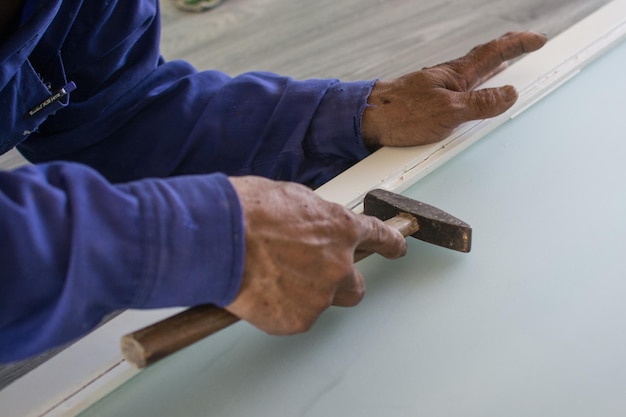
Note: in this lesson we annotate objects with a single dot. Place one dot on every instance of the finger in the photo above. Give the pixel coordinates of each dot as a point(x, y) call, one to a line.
point(484, 59)
point(486, 103)
point(350, 291)
point(377, 237)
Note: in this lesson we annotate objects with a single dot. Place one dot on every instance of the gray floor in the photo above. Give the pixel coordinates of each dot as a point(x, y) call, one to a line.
point(346, 39)
point(352, 39)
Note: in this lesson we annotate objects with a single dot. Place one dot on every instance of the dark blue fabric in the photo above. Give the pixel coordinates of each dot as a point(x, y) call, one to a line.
point(75, 248)
point(100, 231)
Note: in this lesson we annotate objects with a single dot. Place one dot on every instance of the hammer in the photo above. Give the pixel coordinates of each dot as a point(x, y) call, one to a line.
point(412, 218)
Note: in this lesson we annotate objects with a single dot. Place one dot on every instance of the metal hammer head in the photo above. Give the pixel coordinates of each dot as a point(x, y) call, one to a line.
point(435, 226)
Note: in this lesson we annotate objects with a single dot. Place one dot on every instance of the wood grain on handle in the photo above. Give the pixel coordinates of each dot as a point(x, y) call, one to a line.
point(148, 345)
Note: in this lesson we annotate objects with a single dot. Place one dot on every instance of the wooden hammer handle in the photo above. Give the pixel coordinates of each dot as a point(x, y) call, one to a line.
point(148, 345)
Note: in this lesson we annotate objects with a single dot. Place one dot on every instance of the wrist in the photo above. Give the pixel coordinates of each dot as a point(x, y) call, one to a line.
point(369, 127)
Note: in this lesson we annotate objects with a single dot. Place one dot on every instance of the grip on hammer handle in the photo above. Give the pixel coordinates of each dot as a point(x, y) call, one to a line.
point(148, 345)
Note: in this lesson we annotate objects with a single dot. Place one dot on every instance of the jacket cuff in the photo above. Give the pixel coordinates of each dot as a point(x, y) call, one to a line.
point(193, 241)
point(336, 126)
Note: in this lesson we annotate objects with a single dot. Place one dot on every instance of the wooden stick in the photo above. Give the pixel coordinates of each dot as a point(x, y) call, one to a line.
point(148, 345)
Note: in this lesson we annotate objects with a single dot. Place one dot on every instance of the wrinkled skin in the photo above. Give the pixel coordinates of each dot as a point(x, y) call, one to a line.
point(299, 254)
point(425, 106)
point(300, 248)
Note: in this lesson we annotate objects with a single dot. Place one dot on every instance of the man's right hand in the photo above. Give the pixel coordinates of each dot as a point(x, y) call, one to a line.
point(299, 254)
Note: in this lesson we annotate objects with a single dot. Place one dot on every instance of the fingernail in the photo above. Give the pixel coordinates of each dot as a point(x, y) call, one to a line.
point(509, 93)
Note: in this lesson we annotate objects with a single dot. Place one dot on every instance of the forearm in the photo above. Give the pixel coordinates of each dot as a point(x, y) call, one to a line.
point(76, 248)
point(134, 116)
point(178, 121)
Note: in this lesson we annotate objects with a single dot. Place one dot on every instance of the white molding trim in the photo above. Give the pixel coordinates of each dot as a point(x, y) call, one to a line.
point(91, 368)
point(78, 376)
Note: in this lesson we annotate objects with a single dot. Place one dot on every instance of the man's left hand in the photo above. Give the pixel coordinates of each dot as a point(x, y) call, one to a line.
point(426, 106)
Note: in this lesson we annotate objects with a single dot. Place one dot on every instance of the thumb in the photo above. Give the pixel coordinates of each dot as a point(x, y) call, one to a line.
point(488, 102)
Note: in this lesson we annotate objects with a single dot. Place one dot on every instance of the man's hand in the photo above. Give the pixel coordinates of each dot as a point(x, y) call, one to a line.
point(425, 106)
point(299, 254)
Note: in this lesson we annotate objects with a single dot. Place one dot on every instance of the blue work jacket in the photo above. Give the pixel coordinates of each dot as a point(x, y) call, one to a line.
point(127, 203)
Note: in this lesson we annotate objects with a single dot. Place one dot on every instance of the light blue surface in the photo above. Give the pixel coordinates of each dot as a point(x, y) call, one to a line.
point(531, 323)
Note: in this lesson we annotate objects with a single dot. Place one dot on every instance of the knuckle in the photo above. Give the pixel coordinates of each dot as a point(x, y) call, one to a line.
point(336, 275)
point(301, 324)
point(348, 223)
point(292, 323)
point(483, 101)
point(354, 298)
point(448, 103)
point(351, 290)
point(452, 111)
point(301, 321)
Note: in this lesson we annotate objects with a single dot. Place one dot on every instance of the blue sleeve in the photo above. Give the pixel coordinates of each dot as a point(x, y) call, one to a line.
point(134, 115)
point(75, 248)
